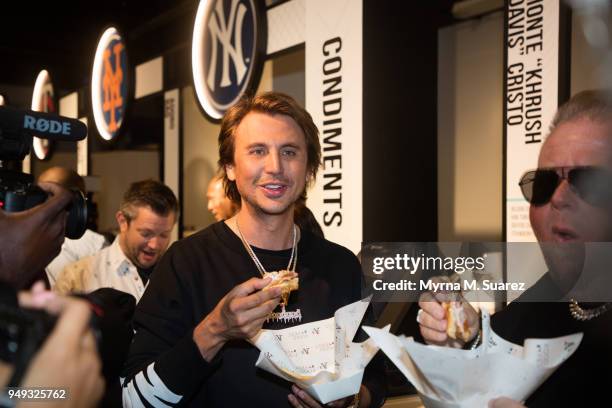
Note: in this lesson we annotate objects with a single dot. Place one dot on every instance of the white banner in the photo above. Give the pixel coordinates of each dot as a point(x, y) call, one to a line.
point(26, 164)
point(69, 105)
point(171, 146)
point(83, 153)
point(334, 99)
point(532, 84)
point(149, 77)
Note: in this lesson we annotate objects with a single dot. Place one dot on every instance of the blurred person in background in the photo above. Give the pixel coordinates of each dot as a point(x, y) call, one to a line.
point(72, 249)
point(221, 207)
point(146, 216)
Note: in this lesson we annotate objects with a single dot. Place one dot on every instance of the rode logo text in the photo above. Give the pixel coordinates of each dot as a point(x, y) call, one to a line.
point(44, 125)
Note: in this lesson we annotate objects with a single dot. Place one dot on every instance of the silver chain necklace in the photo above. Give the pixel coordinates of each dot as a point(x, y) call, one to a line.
point(292, 260)
point(582, 315)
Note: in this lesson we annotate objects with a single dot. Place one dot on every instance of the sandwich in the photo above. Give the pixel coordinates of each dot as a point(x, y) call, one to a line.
point(287, 280)
point(458, 327)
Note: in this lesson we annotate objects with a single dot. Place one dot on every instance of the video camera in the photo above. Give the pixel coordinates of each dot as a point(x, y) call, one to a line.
point(23, 331)
point(17, 190)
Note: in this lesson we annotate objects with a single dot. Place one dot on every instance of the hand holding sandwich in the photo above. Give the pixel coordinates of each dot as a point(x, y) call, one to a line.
point(447, 322)
point(239, 315)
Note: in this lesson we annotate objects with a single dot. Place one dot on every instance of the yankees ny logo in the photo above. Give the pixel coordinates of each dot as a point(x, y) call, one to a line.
point(111, 84)
point(221, 32)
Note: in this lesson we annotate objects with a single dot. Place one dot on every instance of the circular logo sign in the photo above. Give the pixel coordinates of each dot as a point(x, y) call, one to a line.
point(1, 100)
point(227, 52)
point(109, 84)
point(43, 100)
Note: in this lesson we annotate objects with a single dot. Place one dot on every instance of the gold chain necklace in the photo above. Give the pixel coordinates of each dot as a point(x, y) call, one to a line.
point(292, 260)
point(582, 315)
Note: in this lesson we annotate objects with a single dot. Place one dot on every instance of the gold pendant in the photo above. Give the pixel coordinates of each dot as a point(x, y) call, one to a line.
point(285, 316)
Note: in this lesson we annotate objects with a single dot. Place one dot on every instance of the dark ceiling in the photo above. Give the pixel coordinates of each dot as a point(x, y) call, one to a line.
point(61, 36)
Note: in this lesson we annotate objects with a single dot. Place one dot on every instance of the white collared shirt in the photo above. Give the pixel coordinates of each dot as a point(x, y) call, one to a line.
point(72, 250)
point(109, 268)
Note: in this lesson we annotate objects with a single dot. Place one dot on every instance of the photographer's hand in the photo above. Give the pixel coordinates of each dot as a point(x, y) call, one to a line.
point(38, 297)
point(32, 238)
point(68, 360)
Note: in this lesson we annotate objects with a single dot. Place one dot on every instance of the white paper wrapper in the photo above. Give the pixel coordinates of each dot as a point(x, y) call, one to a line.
point(452, 378)
point(320, 356)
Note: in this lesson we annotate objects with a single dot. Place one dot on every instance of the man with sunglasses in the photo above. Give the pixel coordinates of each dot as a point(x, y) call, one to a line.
point(571, 204)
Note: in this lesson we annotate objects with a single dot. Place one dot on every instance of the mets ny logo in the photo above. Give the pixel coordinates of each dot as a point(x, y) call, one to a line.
point(114, 87)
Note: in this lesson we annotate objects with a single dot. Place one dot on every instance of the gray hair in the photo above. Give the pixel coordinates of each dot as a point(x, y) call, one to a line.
point(595, 105)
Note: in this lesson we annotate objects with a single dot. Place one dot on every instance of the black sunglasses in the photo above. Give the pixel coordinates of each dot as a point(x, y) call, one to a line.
point(592, 184)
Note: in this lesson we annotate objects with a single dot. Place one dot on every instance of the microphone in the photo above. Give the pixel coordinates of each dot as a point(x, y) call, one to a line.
point(40, 124)
point(17, 127)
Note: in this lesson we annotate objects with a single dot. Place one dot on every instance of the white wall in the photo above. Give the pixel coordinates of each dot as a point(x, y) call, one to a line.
point(586, 64)
point(470, 82)
point(288, 75)
point(199, 162)
point(117, 170)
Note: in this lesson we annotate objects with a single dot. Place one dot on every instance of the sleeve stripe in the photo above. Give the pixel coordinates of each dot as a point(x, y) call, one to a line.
point(162, 391)
point(152, 391)
point(148, 392)
point(131, 399)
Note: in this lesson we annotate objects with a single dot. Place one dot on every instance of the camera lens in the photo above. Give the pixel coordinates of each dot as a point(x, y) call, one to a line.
point(76, 223)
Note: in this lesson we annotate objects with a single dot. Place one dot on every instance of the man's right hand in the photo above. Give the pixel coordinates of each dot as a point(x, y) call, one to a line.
point(239, 315)
point(433, 323)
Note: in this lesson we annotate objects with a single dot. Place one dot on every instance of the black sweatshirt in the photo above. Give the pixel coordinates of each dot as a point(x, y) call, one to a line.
point(582, 380)
point(164, 362)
